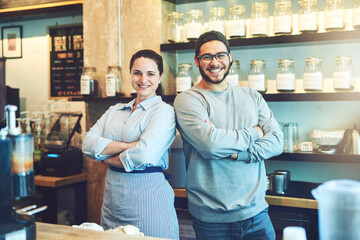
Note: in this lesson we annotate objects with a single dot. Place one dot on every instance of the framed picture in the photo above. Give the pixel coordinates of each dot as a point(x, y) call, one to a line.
point(12, 41)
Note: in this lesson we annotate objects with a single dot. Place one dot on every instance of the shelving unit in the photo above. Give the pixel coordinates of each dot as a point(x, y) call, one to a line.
point(339, 96)
point(243, 42)
point(317, 157)
point(41, 8)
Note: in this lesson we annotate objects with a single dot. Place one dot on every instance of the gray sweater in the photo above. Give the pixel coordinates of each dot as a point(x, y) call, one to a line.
point(221, 189)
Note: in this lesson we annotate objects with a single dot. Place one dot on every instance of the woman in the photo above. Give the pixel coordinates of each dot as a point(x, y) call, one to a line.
point(134, 141)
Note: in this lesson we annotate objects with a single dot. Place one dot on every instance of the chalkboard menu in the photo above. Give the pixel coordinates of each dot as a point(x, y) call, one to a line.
point(66, 57)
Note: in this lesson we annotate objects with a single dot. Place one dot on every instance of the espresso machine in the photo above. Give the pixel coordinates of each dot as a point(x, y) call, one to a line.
point(17, 180)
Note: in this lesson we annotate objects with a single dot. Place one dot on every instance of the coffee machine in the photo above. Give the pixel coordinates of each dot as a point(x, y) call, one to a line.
point(17, 180)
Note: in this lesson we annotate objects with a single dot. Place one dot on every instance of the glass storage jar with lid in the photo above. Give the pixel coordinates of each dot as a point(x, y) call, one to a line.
point(259, 19)
point(313, 75)
point(282, 21)
point(356, 14)
point(113, 81)
point(176, 31)
point(343, 76)
point(234, 77)
point(193, 24)
point(217, 19)
point(88, 84)
point(257, 75)
point(285, 75)
point(184, 77)
point(334, 15)
point(236, 23)
point(308, 16)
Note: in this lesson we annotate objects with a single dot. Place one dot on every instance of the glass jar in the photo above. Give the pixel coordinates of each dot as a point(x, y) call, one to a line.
point(308, 16)
point(343, 76)
point(88, 84)
point(285, 75)
point(193, 24)
point(334, 15)
point(259, 19)
point(113, 81)
point(183, 77)
point(313, 76)
point(236, 23)
point(217, 19)
point(234, 77)
point(257, 75)
point(176, 31)
point(356, 14)
point(282, 23)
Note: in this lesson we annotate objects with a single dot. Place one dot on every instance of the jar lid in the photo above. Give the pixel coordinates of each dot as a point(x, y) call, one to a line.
point(258, 62)
point(314, 60)
point(282, 4)
point(176, 15)
point(236, 62)
point(347, 59)
point(90, 69)
point(217, 11)
point(185, 65)
point(260, 6)
point(305, 3)
point(288, 61)
point(334, 2)
point(114, 67)
point(195, 13)
point(238, 9)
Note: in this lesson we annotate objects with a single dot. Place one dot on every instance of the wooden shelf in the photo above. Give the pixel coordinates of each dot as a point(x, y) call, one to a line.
point(54, 182)
point(41, 8)
point(301, 38)
point(317, 157)
point(272, 200)
point(277, 97)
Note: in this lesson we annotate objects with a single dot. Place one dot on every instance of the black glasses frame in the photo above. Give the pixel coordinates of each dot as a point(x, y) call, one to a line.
point(212, 56)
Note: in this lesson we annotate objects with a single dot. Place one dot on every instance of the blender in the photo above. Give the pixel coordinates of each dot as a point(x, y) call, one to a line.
point(17, 180)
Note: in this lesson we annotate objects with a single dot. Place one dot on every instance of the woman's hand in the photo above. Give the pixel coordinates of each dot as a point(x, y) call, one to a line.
point(114, 161)
point(118, 147)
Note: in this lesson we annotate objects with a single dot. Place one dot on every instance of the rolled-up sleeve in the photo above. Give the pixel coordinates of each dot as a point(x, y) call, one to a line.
point(94, 143)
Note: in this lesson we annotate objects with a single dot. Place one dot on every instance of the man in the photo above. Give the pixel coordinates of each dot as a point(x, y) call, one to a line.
point(228, 132)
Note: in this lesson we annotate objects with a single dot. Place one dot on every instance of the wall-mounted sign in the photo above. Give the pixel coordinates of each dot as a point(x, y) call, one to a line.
point(66, 61)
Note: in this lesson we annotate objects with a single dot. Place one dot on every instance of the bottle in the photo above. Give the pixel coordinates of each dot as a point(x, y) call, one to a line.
point(308, 16)
point(234, 77)
point(88, 84)
point(282, 23)
point(356, 14)
point(183, 77)
point(236, 23)
point(313, 76)
point(259, 19)
point(113, 81)
point(285, 75)
point(257, 75)
point(217, 19)
point(176, 31)
point(334, 15)
point(343, 76)
point(193, 24)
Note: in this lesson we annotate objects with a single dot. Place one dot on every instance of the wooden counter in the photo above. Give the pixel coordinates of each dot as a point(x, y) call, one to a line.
point(48, 181)
point(272, 200)
point(45, 231)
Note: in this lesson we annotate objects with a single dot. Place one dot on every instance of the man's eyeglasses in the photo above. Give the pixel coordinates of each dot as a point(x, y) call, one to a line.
point(207, 58)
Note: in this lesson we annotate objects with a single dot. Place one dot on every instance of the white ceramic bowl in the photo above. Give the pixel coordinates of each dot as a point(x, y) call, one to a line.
point(330, 137)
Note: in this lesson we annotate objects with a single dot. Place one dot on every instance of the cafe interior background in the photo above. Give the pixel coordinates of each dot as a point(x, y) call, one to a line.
point(114, 29)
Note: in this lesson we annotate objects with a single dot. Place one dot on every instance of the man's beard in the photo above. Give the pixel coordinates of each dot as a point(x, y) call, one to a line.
point(207, 78)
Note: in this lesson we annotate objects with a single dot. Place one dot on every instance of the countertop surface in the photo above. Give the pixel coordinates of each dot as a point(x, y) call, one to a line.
point(45, 231)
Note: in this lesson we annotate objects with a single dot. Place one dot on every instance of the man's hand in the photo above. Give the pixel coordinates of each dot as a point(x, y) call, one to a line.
point(260, 131)
point(113, 161)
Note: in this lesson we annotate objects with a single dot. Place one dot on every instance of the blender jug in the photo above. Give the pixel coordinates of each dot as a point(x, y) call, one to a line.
point(339, 209)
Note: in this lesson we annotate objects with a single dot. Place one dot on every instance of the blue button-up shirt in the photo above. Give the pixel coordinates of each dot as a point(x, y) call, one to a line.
point(152, 124)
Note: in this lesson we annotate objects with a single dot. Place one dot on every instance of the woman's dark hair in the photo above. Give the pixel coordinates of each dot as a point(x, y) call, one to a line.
point(147, 53)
